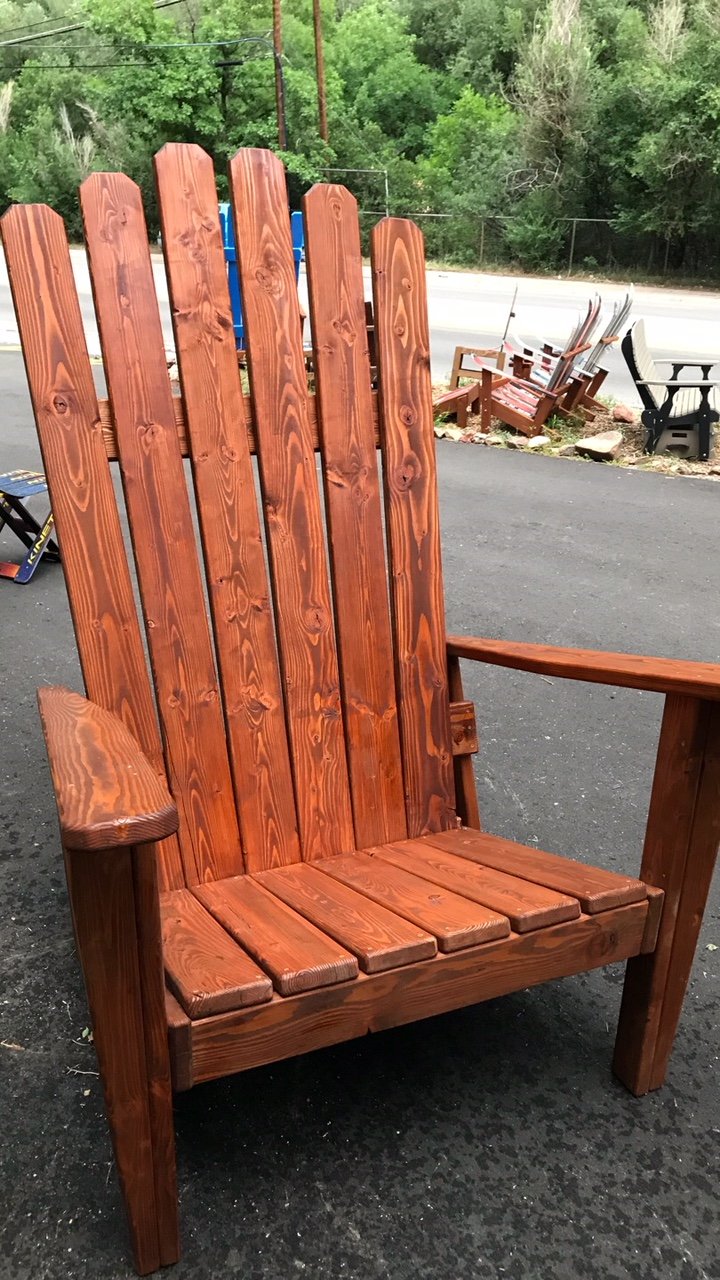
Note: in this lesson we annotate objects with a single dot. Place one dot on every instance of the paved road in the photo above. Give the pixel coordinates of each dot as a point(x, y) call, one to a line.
point(487, 1143)
point(470, 309)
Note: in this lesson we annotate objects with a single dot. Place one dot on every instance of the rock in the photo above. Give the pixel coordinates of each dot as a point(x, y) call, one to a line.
point(516, 442)
point(538, 442)
point(469, 436)
point(448, 432)
point(621, 413)
point(714, 471)
point(601, 448)
point(566, 451)
point(494, 437)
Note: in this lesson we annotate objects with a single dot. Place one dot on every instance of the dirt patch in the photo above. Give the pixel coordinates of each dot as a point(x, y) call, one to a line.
point(563, 433)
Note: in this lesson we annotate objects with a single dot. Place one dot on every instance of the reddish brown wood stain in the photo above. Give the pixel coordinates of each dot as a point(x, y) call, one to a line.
point(217, 422)
point(403, 351)
point(161, 525)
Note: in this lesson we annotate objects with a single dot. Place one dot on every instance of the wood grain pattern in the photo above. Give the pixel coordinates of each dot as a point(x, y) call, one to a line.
point(352, 500)
point(205, 970)
point(161, 525)
point(282, 1028)
point(227, 506)
point(468, 809)
point(527, 906)
point(411, 506)
point(624, 670)
point(454, 921)
point(679, 856)
point(296, 543)
point(595, 889)
point(104, 914)
point(179, 1042)
point(463, 728)
point(157, 1060)
point(656, 901)
point(65, 405)
point(107, 793)
point(109, 431)
point(297, 956)
point(379, 938)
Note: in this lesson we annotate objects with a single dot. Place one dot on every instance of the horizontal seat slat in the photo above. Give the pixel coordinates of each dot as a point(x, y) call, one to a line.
point(379, 938)
point(205, 969)
point(595, 889)
point(455, 921)
point(527, 906)
point(297, 955)
point(282, 1028)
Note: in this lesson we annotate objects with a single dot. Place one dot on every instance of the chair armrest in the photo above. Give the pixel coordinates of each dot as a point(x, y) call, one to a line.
point(624, 670)
point(671, 382)
point(107, 792)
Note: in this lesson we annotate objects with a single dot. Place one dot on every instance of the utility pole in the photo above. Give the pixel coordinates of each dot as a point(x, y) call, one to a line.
point(279, 84)
point(320, 70)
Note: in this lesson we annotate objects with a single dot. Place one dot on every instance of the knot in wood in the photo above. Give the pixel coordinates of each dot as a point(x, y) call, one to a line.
point(269, 279)
point(345, 330)
point(408, 472)
point(60, 404)
point(336, 209)
point(316, 620)
point(408, 416)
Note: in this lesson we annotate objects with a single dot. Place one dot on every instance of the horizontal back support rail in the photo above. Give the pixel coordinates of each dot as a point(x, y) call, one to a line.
point(110, 438)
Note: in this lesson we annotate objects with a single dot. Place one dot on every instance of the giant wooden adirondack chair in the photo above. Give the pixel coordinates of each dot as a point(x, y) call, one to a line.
point(262, 837)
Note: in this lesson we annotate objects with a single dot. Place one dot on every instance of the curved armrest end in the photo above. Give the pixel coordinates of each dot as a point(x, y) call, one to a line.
point(107, 792)
point(624, 670)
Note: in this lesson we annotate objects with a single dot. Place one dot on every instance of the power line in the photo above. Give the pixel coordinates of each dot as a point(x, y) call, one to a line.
point(74, 26)
point(29, 26)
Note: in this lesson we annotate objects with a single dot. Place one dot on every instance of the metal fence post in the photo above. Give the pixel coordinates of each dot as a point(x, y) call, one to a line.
point(572, 246)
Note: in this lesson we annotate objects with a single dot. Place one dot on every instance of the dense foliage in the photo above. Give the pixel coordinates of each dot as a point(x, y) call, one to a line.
point(509, 115)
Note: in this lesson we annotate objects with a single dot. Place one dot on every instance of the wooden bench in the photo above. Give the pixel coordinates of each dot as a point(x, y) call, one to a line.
point(270, 824)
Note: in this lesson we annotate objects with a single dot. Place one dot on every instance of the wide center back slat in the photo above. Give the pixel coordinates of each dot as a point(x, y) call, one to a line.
point(352, 497)
point(161, 525)
point(292, 503)
point(227, 507)
point(411, 504)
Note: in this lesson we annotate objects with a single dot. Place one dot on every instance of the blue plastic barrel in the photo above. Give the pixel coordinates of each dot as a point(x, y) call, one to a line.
point(228, 235)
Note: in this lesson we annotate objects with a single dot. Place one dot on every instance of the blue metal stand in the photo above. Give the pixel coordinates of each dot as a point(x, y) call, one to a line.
point(14, 487)
point(228, 235)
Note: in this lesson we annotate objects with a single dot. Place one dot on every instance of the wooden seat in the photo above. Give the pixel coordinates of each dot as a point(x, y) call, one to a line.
point(303, 927)
point(267, 800)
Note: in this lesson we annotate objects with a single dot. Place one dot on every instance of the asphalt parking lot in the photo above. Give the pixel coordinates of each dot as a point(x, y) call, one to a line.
point(488, 1143)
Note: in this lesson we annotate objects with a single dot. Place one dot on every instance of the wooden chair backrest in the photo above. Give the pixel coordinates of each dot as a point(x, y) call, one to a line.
point(642, 366)
point(308, 713)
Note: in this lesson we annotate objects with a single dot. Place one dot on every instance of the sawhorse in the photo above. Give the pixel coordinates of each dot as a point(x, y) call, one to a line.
point(15, 487)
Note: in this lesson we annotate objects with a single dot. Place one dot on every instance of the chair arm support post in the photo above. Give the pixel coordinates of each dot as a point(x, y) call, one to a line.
point(116, 914)
point(681, 843)
point(465, 789)
point(108, 794)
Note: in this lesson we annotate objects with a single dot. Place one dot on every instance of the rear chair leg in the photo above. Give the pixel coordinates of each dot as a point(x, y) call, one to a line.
point(115, 910)
point(681, 843)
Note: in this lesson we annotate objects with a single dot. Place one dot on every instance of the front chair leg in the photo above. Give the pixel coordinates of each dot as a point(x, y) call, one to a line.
point(681, 844)
point(115, 911)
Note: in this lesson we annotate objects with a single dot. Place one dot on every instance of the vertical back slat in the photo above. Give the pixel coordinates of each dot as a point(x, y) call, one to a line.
point(64, 400)
point(292, 503)
point(161, 525)
point(229, 522)
point(352, 498)
point(411, 504)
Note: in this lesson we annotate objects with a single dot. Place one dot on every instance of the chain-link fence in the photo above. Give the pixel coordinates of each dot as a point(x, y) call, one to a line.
point(570, 246)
